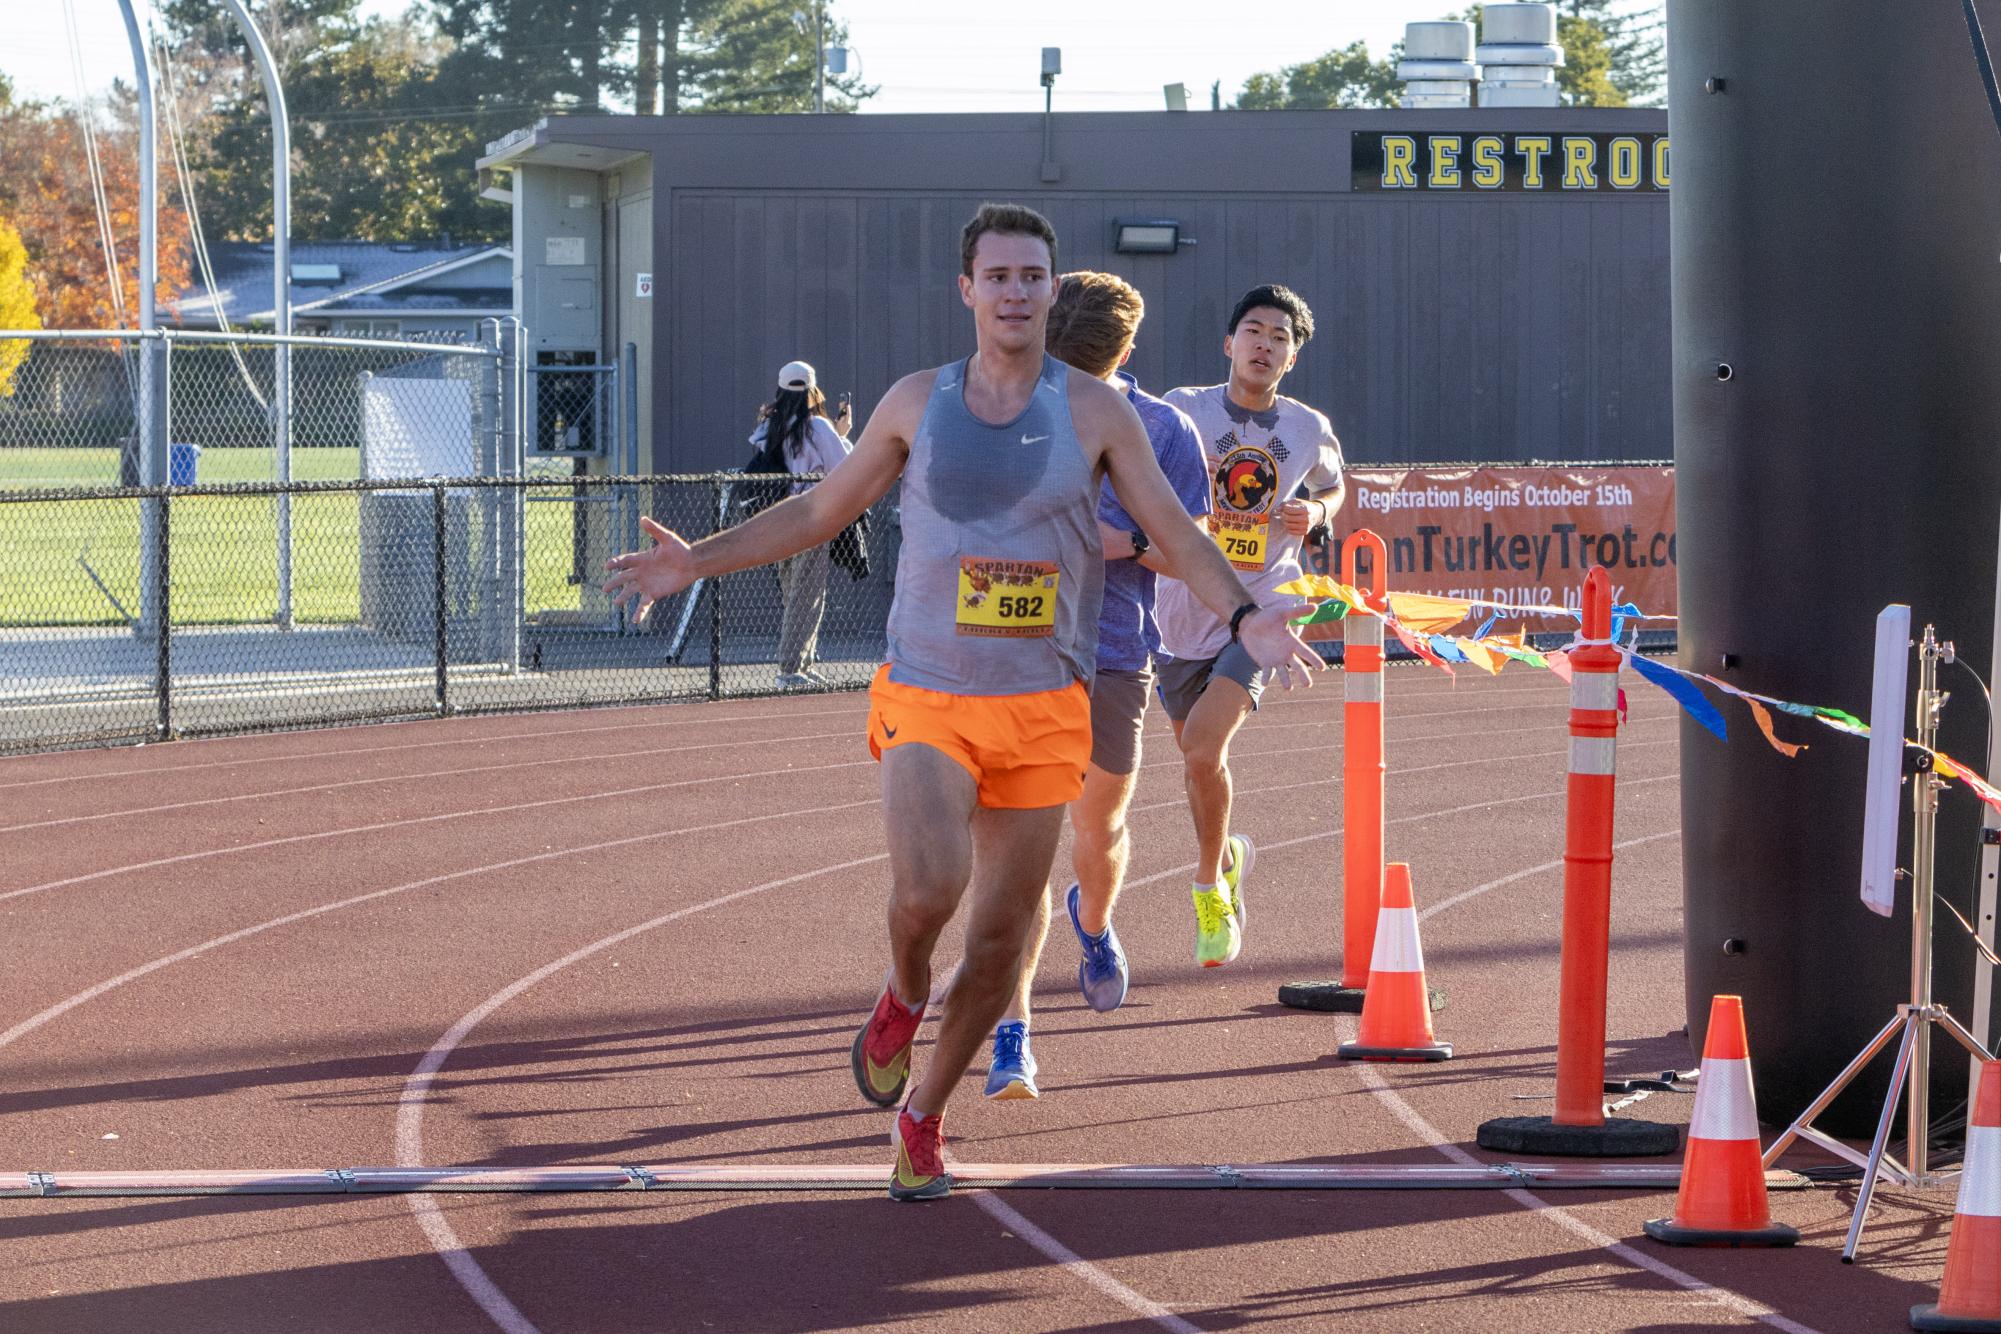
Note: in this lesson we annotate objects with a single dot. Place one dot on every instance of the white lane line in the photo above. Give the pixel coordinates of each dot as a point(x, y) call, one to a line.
point(1724, 1297)
point(1080, 1268)
point(1427, 914)
point(1319, 834)
point(288, 839)
point(410, 1106)
point(481, 1287)
point(63, 1007)
point(91, 993)
point(552, 762)
point(559, 760)
point(311, 757)
point(438, 1229)
point(1431, 1135)
point(316, 756)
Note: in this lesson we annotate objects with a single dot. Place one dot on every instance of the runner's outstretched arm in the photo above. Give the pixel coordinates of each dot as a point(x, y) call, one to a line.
point(671, 564)
point(1199, 563)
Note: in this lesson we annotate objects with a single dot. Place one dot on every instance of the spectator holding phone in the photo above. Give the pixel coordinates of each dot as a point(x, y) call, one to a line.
point(794, 426)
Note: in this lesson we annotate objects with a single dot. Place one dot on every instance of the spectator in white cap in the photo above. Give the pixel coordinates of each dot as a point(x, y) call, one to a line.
point(795, 425)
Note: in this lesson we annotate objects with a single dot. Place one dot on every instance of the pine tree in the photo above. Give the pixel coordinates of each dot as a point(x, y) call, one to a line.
point(1344, 77)
point(378, 152)
point(758, 55)
point(1635, 45)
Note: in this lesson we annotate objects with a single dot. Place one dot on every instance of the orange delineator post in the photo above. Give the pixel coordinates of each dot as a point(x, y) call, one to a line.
point(1363, 763)
point(1587, 862)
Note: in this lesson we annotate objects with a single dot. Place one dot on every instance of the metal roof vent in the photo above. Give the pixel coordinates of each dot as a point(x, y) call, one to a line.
point(1437, 66)
point(1518, 56)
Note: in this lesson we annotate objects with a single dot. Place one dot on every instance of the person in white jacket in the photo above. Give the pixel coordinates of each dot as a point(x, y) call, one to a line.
point(797, 417)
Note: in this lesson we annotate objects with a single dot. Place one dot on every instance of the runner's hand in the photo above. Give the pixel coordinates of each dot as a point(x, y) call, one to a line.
point(1267, 635)
point(645, 577)
point(1297, 516)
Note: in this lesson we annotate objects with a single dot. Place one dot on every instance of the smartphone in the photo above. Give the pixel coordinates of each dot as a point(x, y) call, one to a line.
point(847, 401)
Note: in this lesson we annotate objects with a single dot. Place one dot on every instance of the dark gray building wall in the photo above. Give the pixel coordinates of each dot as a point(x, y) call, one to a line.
point(1450, 326)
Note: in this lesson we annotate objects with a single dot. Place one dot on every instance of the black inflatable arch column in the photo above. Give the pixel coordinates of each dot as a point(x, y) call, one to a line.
point(1836, 218)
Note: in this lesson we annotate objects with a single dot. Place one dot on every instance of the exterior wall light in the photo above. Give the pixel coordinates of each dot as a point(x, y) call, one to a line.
point(1147, 236)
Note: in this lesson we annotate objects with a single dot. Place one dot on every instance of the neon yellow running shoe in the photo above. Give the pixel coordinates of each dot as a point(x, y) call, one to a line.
point(1218, 937)
point(1242, 857)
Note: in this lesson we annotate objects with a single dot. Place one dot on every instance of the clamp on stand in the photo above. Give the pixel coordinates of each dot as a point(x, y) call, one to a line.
point(1912, 1073)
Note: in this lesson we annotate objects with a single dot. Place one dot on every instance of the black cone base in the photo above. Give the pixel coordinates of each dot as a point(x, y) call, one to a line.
point(1333, 998)
point(1330, 997)
point(1615, 1139)
point(1928, 1317)
point(1778, 1234)
point(1355, 1051)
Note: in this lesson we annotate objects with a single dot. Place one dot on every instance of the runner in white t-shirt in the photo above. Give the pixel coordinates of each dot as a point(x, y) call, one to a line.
point(1262, 449)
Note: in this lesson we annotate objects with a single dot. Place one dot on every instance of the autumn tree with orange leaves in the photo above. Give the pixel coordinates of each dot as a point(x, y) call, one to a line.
point(45, 192)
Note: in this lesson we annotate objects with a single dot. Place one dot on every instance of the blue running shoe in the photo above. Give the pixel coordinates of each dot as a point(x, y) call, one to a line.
point(1012, 1074)
point(1102, 974)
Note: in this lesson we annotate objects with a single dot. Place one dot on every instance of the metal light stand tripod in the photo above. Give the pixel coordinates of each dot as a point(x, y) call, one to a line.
point(1912, 1075)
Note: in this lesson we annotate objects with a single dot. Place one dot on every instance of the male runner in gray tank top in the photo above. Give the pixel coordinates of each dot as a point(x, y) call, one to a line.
point(980, 717)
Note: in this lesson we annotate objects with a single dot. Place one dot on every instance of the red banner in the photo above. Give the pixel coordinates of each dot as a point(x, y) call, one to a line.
point(1516, 534)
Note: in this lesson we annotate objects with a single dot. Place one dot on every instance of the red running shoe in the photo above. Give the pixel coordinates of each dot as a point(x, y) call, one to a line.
point(881, 1054)
point(920, 1158)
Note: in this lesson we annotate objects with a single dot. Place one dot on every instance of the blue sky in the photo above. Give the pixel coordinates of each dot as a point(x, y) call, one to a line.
point(927, 55)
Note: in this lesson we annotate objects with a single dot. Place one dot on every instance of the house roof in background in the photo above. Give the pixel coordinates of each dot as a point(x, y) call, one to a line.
point(375, 277)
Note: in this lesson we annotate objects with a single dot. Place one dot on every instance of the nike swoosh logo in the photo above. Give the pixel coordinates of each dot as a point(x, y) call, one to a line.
point(888, 732)
point(1033, 439)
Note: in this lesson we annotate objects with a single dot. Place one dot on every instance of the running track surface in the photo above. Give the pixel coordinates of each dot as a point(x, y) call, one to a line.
point(647, 936)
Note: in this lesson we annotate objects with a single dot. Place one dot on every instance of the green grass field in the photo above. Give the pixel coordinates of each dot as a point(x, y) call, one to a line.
point(225, 563)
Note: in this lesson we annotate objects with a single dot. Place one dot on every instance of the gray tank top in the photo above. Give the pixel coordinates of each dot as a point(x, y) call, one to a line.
point(1002, 571)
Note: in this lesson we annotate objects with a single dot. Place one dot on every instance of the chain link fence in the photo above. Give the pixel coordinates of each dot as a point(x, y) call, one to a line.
point(240, 407)
point(410, 599)
point(306, 532)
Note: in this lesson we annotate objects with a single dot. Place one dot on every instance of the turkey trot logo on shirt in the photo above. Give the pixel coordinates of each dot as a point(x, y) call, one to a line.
point(1246, 478)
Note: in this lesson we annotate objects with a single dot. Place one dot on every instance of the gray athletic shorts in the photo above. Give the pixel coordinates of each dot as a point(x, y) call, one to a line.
point(1118, 712)
point(1182, 680)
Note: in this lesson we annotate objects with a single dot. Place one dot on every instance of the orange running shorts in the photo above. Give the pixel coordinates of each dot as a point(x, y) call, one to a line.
point(1024, 751)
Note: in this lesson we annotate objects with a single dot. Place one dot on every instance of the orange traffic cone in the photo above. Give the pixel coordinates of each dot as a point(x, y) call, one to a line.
point(1722, 1200)
point(1969, 1296)
point(1396, 1015)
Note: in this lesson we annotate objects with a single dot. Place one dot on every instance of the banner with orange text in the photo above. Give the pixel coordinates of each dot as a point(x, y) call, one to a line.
point(1512, 533)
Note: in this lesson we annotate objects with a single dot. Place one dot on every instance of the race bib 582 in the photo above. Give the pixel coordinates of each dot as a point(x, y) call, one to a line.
point(1006, 598)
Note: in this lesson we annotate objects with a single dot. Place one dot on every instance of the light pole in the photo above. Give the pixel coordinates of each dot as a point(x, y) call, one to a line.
point(152, 433)
point(281, 291)
point(819, 57)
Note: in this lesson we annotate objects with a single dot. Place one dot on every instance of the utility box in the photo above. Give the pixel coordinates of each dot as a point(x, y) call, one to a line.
point(560, 220)
point(399, 569)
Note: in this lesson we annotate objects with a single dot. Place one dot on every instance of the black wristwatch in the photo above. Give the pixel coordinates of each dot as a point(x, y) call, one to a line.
point(1237, 621)
point(1141, 544)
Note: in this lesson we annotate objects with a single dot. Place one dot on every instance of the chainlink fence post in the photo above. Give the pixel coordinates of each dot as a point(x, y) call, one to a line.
point(716, 615)
point(438, 595)
point(163, 666)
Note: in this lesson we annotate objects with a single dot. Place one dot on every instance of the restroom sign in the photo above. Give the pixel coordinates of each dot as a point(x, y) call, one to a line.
point(1533, 163)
